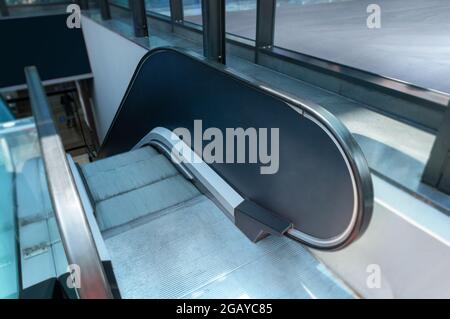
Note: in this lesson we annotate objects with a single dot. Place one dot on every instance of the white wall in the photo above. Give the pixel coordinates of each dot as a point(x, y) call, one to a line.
point(113, 60)
point(409, 241)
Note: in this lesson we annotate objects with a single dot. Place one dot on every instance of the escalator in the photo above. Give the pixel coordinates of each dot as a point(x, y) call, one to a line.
point(151, 222)
point(168, 240)
point(143, 180)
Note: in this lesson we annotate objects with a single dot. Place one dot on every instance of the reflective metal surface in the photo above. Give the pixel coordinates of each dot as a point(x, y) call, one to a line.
point(182, 153)
point(76, 235)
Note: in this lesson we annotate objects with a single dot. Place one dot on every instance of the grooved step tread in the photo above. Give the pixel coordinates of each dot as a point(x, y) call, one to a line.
point(131, 185)
point(195, 251)
point(128, 177)
point(116, 161)
point(121, 209)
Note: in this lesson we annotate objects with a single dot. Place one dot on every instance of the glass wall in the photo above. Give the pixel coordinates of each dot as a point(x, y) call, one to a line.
point(122, 3)
point(21, 2)
point(193, 11)
point(386, 37)
point(9, 263)
point(241, 18)
point(158, 6)
point(28, 228)
point(5, 112)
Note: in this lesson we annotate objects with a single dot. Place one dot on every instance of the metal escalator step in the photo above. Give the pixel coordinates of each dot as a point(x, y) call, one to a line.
point(116, 161)
point(125, 178)
point(123, 208)
point(290, 272)
point(195, 251)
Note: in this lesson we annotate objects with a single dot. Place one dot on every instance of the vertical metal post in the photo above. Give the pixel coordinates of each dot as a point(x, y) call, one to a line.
point(176, 11)
point(84, 92)
point(444, 183)
point(104, 9)
point(437, 170)
point(139, 18)
point(213, 14)
point(265, 25)
point(4, 8)
point(84, 4)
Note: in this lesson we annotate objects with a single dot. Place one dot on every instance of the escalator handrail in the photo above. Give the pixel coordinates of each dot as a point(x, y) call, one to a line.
point(352, 156)
point(73, 225)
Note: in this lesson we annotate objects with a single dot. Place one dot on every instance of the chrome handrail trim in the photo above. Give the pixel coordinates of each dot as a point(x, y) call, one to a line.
point(183, 155)
point(76, 235)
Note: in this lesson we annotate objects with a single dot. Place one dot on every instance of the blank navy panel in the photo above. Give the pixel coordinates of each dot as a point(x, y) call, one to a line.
point(43, 41)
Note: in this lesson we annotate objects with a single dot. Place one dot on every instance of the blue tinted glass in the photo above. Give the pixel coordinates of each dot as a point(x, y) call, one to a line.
point(28, 228)
point(5, 113)
point(9, 287)
point(241, 18)
point(192, 11)
point(158, 6)
point(25, 2)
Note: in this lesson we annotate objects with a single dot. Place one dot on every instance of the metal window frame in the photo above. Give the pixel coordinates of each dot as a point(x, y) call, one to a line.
point(265, 25)
point(4, 8)
point(105, 11)
point(437, 170)
point(137, 8)
point(39, 4)
point(176, 11)
point(76, 236)
point(391, 85)
point(84, 4)
point(214, 38)
point(431, 98)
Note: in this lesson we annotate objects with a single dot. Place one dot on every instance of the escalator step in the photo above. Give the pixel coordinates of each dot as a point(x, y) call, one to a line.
point(137, 203)
point(195, 251)
point(116, 161)
point(108, 183)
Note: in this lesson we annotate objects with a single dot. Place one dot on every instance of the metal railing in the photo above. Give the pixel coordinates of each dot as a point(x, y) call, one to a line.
point(3, 8)
point(213, 15)
point(73, 226)
point(104, 9)
point(139, 18)
point(437, 170)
